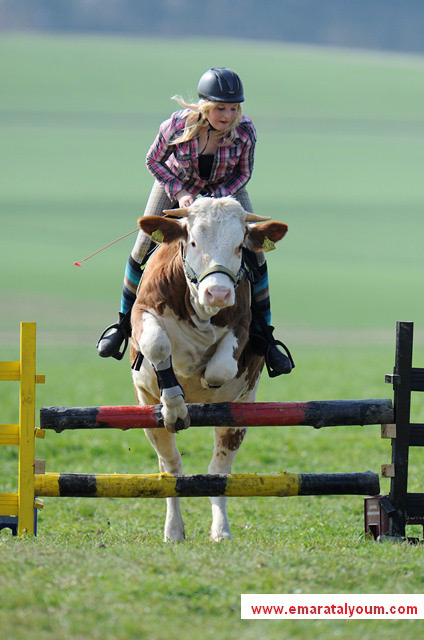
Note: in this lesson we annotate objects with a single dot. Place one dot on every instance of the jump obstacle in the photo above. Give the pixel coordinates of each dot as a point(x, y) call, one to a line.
point(393, 512)
point(229, 414)
point(167, 485)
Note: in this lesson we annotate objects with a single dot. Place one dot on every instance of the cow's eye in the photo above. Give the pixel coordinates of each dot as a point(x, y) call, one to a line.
point(193, 244)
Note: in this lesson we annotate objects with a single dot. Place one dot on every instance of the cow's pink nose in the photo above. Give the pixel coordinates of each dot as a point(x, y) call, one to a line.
point(217, 296)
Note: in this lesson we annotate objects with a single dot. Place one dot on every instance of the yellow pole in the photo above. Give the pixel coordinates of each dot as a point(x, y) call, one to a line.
point(26, 429)
point(165, 485)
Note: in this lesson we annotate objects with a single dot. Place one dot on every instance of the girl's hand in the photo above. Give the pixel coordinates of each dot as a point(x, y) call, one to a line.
point(185, 199)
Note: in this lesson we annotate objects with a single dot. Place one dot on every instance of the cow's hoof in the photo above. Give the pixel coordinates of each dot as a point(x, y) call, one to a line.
point(181, 424)
point(220, 536)
point(175, 414)
point(218, 373)
point(206, 385)
point(174, 536)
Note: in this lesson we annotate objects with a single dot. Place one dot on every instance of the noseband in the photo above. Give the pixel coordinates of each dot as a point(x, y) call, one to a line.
point(195, 279)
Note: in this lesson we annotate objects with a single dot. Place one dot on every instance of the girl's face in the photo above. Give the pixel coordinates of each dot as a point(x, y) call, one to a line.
point(221, 116)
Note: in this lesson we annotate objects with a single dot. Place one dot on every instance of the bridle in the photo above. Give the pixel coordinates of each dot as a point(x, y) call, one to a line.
point(196, 279)
point(190, 274)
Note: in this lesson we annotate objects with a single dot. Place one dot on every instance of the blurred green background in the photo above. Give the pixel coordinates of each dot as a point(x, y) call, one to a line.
point(340, 158)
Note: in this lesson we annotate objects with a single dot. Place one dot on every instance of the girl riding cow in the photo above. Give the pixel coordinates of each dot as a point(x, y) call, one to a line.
point(206, 148)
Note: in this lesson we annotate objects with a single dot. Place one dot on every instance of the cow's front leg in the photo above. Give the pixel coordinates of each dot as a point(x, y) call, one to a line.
point(156, 347)
point(227, 443)
point(170, 462)
point(223, 365)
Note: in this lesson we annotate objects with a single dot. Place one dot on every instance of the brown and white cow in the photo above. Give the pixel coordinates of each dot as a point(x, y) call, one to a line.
point(191, 322)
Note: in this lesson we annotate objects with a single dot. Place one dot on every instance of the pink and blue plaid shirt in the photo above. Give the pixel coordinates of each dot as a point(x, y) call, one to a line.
point(176, 167)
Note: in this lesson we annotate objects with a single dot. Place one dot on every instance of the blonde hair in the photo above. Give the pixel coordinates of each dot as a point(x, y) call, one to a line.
point(197, 119)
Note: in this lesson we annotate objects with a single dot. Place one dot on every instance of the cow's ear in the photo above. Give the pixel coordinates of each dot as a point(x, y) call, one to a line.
point(262, 236)
point(162, 229)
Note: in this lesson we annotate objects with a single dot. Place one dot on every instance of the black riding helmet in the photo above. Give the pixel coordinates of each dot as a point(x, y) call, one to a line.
point(221, 85)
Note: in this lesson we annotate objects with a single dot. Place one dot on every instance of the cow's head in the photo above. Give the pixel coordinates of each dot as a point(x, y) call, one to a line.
point(212, 232)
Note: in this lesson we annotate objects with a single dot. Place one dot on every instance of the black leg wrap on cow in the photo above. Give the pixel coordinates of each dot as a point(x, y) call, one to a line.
point(112, 338)
point(167, 380)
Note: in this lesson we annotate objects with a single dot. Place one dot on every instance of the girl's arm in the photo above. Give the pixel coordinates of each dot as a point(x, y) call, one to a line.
point(159, 152)
point(243, 170)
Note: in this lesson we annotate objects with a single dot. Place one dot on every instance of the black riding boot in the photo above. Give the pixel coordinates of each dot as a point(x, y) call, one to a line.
point(109, 343)
point(111, 340)
point(262, 340)
point(264, 344)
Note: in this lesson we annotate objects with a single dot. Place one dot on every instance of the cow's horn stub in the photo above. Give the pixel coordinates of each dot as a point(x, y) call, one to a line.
point(176, 213)
point(253, 217)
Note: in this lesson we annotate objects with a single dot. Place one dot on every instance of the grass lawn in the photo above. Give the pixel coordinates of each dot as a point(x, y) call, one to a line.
point(99, 568)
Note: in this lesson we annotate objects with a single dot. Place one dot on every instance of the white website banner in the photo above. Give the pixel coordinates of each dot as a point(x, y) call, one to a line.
point(383, 606)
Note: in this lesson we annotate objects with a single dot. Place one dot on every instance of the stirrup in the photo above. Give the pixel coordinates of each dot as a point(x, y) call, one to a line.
point(125, 338)
point(272, 372)
point(120, 336)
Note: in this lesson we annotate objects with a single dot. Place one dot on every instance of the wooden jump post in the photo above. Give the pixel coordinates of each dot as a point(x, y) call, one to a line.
point(17, 509)
point(387, 516)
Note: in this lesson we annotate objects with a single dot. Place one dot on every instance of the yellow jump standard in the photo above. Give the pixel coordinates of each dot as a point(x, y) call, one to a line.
point(17, 509)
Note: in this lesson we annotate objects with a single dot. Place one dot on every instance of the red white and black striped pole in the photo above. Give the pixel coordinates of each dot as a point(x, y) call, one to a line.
point(244, 414)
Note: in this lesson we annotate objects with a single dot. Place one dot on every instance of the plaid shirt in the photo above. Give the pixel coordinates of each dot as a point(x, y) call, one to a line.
point(176, 167)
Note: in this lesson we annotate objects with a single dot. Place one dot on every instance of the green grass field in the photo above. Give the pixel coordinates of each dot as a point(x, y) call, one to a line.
point(339, 158)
